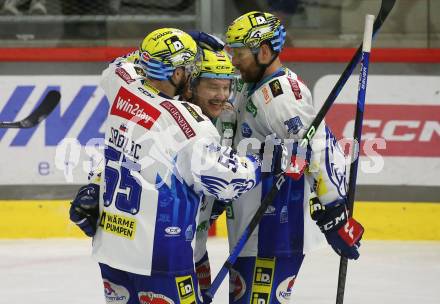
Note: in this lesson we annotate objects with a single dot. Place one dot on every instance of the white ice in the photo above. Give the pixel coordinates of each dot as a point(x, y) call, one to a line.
point(62, 271)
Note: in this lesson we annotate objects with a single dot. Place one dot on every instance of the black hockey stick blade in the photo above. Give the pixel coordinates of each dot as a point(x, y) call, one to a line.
point(41, 112)
point(385, 9)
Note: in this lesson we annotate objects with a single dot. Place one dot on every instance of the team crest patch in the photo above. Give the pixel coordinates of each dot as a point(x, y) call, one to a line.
point(140, 71)
point(275, 88)
point(294, 125)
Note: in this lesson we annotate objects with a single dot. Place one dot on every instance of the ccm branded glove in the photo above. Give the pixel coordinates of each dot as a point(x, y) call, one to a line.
point(343, 233)
point(84, 210)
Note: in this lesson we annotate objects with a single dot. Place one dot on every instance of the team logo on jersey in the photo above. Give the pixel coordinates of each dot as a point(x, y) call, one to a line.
point(275, 88)
point(251, 108)
point(294, 125)
point(114, 293)
point(246, 131)
point(237, 285)
point(150, 297)
point(185, 289)
point(284, 290)
point(224, 190)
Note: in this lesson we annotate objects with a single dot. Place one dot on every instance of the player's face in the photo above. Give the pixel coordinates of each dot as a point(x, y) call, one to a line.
point(244, 60)
point(211, 95)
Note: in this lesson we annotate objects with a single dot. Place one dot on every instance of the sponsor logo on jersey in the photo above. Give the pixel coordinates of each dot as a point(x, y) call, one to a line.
point(263, 279)
point(203, 226)
point(193, 112)
point(295, 88)
point(259, 298)
point(270, 210)
point(179, 118)
point(263, 276)
point(173, 231)
point(118, 225)
point(122, 73)
point(203, 271)
point(294, 125)
point(185, 289)
point(284, 290)
point(150, 297)
point(239, 83)
point(189, 233)
point(246, 131)
point(115, 294)
point(251, 108)
point(275, 88)
point(131, 107)
point(237, 285)
point(284, 215)
point(266, 95)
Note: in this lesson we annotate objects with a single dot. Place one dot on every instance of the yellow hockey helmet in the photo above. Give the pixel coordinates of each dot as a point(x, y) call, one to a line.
point(215, 65)
point(165, 49)
point(251, 29)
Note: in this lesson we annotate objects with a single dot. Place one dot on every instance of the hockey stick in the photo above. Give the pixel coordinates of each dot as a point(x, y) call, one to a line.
point(385, 9)
point(41, 112)
point(357, 134)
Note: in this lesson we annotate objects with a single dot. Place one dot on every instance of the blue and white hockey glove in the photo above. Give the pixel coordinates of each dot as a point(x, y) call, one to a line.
point(84, 210)
point(342, 233)
point(207, 41)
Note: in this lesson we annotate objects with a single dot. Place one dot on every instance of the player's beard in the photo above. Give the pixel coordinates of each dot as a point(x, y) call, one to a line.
point(252, 74)
point(180, 87)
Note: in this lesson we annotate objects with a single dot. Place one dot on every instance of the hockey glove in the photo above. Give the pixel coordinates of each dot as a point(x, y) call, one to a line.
point(207, 41)
point(84, 210)
point(342, 233)
point(203, 271)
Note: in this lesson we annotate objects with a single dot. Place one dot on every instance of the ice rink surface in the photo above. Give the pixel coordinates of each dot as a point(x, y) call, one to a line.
point(61, 271)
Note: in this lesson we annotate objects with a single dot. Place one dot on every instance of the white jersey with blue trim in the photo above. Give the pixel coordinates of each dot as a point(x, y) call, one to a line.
point(161, 156)
point(282, 106)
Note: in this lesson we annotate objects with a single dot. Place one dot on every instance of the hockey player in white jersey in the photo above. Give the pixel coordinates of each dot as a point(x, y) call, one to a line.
point(161, 156)
point(272, 101)
point(210, 89)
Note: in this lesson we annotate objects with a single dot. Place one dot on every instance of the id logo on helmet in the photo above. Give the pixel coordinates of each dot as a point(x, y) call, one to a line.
point(257, 19)
point(174, 44)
